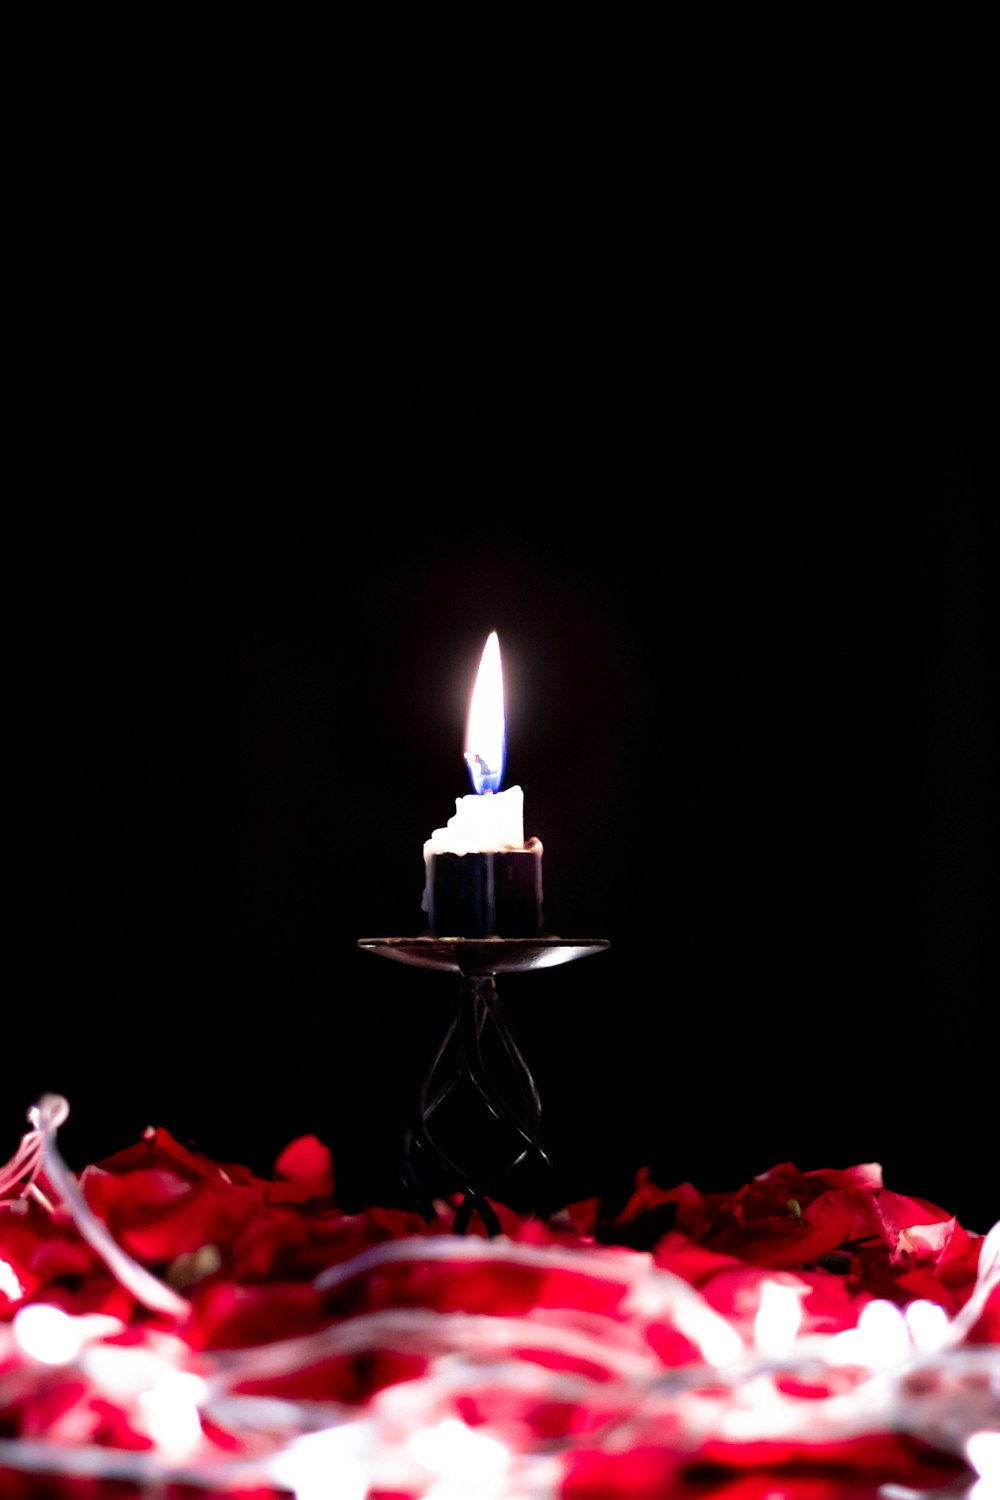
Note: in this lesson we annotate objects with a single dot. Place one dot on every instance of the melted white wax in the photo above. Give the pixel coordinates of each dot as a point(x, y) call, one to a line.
point(486, 824)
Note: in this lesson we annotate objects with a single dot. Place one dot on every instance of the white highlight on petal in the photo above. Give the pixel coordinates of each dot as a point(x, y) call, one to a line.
point(9, 1284)
point(325, 1465)
point(928, 1325)
point(719, 1343)
point(472, 1463)
point(884, 1337)
point(983, 1452)
point(47, 1334)
point(778, 1319)
point(123, 1370)
point(880, 1340)
point(170, 1413)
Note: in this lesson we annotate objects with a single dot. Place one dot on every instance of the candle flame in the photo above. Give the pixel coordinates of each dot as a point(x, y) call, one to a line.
point(484, 733)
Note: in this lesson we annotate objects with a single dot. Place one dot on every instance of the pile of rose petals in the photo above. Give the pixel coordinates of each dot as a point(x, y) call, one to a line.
point(563, 1348)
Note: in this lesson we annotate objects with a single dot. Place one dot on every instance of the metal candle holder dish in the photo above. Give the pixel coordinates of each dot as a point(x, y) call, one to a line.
point(459, 1055)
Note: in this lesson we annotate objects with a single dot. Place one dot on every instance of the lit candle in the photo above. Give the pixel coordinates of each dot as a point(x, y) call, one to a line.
point(481, 878)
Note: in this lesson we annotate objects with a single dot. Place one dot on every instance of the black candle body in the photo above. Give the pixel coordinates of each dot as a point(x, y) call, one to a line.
point(485, 895)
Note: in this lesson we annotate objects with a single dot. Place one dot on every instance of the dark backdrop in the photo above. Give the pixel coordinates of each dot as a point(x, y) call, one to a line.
point(737, 548)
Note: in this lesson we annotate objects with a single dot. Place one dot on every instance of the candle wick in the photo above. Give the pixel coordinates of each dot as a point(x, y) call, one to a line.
point(484, 779)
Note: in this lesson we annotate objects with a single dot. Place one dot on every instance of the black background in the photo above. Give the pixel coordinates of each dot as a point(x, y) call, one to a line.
point(736, 540)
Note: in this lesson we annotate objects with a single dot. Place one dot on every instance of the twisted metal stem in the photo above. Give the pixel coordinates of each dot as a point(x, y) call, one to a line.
point(459, 1057)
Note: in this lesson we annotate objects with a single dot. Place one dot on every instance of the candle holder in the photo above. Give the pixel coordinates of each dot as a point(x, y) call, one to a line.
point(459, 1055)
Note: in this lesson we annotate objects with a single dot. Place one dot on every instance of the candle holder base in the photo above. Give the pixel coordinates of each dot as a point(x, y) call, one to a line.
point(478, 1020)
